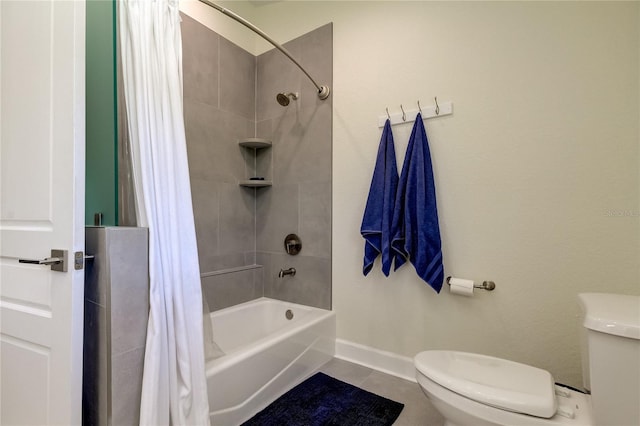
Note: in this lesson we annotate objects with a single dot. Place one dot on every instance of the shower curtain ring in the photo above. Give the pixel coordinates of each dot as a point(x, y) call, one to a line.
point(404, 116)
point(437, 106)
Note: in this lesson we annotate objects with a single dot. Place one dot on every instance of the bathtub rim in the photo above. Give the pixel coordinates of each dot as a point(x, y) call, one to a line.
point(314, 316)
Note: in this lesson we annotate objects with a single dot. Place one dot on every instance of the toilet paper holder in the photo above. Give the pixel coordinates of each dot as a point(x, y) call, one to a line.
point(486, 285)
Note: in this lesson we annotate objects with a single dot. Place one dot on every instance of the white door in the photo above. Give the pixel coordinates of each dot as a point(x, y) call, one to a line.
point(42, 208)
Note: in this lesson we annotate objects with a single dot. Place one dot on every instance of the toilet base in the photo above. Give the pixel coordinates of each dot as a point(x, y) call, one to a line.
point(453, 416)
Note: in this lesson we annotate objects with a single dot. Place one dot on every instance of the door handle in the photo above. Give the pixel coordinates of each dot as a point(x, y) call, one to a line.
point(57, 261)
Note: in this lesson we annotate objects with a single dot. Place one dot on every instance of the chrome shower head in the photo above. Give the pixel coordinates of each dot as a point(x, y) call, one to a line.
point(284, 98)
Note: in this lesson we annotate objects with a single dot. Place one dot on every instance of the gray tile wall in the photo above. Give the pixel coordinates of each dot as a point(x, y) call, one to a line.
point(300, 164)
point(116, 315)
point(229, 94)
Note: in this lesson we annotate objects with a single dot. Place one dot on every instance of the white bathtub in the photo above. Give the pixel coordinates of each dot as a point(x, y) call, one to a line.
point(266, 354)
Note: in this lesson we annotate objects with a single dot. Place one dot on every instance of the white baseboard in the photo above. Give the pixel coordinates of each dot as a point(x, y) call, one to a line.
point(386, 362)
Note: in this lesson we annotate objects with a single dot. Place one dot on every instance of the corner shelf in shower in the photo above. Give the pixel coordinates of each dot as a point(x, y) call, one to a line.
point(255, 144)
point(255, 183)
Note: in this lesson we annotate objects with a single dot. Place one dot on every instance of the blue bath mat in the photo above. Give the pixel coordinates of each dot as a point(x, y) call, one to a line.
point(322, 400)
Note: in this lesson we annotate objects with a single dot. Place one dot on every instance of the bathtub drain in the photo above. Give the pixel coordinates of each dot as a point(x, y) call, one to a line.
point(288, 314)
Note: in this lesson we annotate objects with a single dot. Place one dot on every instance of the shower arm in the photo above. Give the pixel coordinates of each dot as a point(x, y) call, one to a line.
point(323, 91)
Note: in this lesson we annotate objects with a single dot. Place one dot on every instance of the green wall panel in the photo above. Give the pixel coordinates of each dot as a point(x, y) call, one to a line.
point(101, 123)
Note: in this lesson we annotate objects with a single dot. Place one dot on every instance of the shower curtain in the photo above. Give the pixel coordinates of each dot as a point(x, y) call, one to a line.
point(174, 384)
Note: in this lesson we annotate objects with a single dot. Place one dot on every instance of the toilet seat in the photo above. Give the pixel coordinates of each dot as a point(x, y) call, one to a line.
point(492, 381)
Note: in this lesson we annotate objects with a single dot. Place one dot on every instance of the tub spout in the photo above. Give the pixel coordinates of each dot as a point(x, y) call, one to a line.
point(290, 271)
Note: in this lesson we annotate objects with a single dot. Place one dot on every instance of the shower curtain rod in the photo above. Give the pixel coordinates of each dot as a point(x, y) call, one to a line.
point(323, 91)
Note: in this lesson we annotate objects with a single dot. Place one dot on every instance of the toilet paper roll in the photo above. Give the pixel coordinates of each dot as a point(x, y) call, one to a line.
point(461, 287)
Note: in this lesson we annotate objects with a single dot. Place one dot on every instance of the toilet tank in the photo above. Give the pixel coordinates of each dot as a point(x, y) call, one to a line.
point(612, 356)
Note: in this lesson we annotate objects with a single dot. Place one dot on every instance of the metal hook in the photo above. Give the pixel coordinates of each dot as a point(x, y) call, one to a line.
point(404, 116)
point(388, 116)
point(419, 107)
point(437, 106)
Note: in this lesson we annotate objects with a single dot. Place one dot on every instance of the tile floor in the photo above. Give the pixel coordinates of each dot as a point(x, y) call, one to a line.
point(417, 411)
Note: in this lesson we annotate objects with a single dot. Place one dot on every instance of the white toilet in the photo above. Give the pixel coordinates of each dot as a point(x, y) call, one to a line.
point(477, 390)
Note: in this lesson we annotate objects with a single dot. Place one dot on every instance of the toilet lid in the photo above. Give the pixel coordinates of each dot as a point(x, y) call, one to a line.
point(493, 381)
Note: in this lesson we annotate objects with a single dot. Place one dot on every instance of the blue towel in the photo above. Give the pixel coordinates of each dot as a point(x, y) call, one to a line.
point(378, 215)
point(416, 234)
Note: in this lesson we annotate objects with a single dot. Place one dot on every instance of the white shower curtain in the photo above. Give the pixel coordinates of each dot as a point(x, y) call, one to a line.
point(174, 385)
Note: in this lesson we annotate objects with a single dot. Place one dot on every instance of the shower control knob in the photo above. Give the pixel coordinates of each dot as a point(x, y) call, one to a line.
point(292, 244)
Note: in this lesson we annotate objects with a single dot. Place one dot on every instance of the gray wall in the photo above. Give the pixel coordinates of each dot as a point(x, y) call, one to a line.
point(115, 326)
point(300, 200)
point(229, 94)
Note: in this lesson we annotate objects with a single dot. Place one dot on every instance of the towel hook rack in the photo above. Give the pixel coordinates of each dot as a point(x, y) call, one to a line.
point(409, 115)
